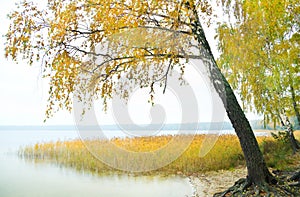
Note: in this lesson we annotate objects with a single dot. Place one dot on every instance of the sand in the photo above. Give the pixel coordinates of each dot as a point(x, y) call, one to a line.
point(207, 184)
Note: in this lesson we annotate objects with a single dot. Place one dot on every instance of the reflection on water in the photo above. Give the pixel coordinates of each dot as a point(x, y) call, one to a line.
point(23, 178)
point(20, 178)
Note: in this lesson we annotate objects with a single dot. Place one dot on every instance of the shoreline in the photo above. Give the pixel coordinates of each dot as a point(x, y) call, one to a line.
point(209, 183)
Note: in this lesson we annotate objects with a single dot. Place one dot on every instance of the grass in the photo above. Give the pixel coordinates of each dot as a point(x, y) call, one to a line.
point(226, 154)
point(278, 154)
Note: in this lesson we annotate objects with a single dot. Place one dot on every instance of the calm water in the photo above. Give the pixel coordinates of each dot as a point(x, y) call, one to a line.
point(28, 179)
point(23, 178)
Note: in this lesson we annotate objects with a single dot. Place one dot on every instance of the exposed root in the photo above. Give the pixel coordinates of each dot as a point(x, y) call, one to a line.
point(295, 177)
point(284, 187)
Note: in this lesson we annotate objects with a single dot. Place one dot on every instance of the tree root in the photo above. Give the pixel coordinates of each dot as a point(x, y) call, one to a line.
point(295, 177)
point(283, 187)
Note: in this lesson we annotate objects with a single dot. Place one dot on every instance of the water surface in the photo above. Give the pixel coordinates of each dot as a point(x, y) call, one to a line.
point(24, 178)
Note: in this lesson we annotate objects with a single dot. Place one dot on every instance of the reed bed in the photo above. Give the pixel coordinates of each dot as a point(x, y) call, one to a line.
point(225, 154)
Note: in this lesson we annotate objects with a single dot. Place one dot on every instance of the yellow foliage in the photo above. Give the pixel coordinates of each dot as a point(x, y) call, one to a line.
point(260, 56)
point(136, 36)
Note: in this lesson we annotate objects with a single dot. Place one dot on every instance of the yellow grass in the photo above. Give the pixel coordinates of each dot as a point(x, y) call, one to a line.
point(226, 154)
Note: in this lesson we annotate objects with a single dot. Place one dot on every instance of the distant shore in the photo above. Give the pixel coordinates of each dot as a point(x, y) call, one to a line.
point(255, 124)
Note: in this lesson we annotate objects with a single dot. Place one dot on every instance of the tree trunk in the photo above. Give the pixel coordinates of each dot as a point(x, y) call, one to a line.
point(294, 143)
point(257, 168)
point(295, 104)
point(258, 172)
point(290, 131)
point(288, 127)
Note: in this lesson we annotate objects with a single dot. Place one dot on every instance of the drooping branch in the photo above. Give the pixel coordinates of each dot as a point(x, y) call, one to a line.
point(164, 77)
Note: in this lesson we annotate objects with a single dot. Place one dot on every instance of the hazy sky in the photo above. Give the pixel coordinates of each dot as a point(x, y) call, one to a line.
point(23, 93)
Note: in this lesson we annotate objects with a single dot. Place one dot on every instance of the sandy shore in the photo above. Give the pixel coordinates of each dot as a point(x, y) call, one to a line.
point(207, 184)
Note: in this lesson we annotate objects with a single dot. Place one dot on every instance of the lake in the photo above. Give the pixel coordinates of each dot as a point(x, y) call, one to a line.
point(24, 178)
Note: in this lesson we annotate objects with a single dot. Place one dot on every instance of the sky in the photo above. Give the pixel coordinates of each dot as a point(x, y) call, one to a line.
point(23, 95)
